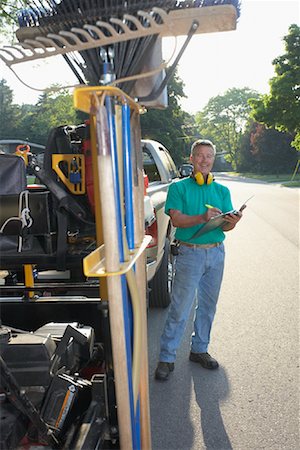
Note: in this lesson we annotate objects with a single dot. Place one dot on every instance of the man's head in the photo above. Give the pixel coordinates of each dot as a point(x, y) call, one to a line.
point(202, 156)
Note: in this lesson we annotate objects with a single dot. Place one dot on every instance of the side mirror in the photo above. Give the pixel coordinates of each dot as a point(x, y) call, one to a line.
point(185, 170)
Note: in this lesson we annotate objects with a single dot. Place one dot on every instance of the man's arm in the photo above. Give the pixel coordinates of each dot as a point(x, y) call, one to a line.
point(180, 220)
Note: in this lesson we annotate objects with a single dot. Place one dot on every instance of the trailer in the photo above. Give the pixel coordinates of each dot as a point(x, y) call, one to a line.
point(74, 362)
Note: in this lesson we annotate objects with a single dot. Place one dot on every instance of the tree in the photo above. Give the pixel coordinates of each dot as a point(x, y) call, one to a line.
point(9, 18)
point(9, 9)
point(281, 108)
point(223, 120)
point(33, 122)
point(9, 112)
point(168, 126)
point(53, 108)
point(266, 150)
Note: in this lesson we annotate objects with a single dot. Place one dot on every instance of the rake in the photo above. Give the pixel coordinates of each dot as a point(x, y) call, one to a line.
point(104, 41)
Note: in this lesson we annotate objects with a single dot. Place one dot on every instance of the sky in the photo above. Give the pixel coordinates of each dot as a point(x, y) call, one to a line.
point(239, 58)
point(211, 64)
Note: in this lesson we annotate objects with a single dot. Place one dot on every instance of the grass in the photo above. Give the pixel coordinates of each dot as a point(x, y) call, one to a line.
point(284, 179)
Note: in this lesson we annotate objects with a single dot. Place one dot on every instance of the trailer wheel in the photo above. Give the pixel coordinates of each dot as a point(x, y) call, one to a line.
point(161, 284)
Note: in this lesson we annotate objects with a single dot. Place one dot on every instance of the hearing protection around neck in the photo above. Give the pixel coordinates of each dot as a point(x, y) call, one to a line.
point(199, 178)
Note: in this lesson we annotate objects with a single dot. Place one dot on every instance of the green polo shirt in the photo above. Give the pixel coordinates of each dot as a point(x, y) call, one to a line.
point(190, 198)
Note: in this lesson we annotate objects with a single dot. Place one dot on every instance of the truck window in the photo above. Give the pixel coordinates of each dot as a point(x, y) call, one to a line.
point(173, 168)
point(150, 167)
point(168, 162)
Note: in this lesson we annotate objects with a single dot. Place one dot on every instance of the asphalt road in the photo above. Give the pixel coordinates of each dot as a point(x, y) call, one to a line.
point(252, 401)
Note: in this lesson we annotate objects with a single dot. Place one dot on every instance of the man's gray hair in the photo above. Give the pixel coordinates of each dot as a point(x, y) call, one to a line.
point(200, 142)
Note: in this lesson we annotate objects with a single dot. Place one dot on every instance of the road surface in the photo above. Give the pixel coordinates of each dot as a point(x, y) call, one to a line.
point(252, 401)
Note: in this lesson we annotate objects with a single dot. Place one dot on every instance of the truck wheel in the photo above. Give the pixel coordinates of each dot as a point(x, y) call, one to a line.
point(161, 284)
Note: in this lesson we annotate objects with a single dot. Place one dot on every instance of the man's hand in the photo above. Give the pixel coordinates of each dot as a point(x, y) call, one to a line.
point(232, 220)
point(210, 213)
point(180, 220)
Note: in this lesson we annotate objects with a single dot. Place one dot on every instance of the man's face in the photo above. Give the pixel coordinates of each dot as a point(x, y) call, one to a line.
point(203, 159)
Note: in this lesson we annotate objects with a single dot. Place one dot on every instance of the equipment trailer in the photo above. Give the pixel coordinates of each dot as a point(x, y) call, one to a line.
point(74, 364)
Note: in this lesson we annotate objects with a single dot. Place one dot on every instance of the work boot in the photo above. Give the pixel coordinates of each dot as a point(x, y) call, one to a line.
point(205, 360)
point(163, 370)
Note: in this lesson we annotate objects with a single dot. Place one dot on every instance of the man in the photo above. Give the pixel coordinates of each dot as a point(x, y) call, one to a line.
point(191, 203)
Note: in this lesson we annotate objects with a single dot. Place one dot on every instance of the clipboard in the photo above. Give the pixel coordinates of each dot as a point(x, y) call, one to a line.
point(218, 221)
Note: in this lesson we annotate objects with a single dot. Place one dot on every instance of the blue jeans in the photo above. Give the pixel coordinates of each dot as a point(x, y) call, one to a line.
point(200, 270)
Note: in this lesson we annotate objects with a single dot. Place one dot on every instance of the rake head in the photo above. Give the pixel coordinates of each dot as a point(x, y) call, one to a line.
point(56, 15)
point(106, 39)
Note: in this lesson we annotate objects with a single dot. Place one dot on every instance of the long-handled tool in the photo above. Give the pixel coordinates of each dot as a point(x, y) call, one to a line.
point(112, 262)
point(82, 31)
point(108, 133)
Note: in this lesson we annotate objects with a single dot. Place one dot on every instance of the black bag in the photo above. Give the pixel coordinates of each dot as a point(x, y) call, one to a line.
point(12, 174)
point(15, 214)
point(15, 222)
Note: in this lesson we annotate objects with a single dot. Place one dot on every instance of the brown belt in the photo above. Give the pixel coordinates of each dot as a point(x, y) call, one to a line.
point(186, 244)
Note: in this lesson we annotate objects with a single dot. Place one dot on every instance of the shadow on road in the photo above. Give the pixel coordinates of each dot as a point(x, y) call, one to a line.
point(171, 424)
point(211, 388)
point(185, 410)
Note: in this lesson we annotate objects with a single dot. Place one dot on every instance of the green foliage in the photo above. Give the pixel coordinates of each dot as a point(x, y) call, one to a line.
point(53, 109)
point(168, 126)
point(9, 9)
point(281, 108)
point(33, 122)
point(266, 151)
point(9, 113)
point(223, 120)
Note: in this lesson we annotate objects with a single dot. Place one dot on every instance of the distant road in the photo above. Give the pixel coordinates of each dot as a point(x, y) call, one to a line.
point(252, 401)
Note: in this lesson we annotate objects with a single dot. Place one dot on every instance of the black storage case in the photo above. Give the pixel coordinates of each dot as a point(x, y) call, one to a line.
point(67, 397)
point(28, 357)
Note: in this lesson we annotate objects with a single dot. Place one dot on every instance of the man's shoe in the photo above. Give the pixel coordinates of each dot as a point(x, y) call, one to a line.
point(205, 360)
point(163, 370)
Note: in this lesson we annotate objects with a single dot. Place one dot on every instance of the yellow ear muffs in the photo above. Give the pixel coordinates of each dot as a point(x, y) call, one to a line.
point(210, 178)
point(200, 178)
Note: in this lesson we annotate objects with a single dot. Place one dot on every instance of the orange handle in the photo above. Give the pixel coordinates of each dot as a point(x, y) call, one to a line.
point(24, 148)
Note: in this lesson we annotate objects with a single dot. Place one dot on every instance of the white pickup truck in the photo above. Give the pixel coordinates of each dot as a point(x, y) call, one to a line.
point(161, 171)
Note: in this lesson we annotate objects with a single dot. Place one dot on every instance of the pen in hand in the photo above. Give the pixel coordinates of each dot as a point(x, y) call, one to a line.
point(212, 212)
point(213, 207)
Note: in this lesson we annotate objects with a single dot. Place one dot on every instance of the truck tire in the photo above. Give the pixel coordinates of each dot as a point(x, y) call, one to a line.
point(161, 284)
